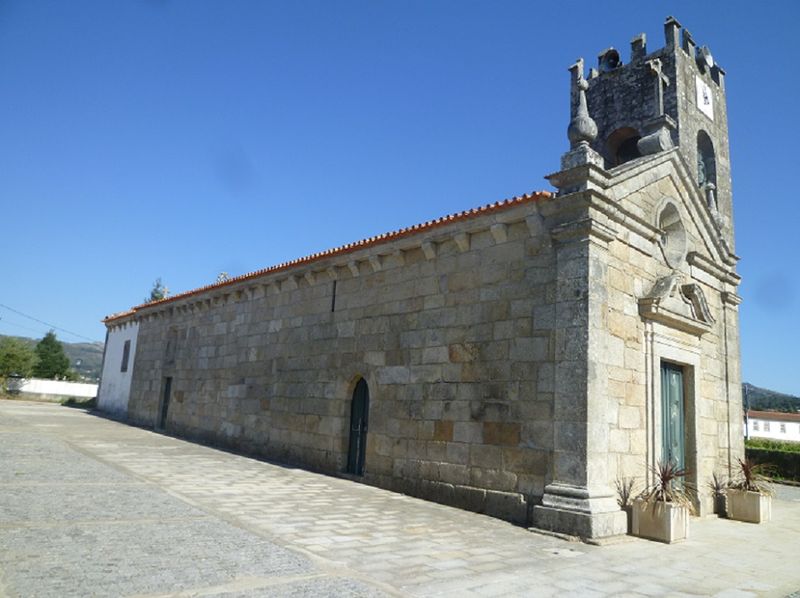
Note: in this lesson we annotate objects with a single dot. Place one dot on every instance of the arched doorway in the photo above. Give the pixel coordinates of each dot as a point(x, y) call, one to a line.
point(359, 410)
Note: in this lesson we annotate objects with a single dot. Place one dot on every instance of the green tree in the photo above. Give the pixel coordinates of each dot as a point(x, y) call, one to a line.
point(16, 358)
point(158, 292)
point(52, 361)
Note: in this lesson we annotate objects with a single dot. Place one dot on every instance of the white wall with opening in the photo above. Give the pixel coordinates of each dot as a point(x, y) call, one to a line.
point(118, 364)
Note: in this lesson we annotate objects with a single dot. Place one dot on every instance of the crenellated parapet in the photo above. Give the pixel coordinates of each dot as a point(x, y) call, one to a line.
point(671, 97)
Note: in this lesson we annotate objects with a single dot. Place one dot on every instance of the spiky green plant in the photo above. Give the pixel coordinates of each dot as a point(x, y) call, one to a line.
point(718, 484)
point(669, 486)
point(624, 491)
point(753, 477)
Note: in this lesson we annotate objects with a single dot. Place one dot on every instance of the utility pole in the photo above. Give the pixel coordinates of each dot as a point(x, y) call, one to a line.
point(746, 413)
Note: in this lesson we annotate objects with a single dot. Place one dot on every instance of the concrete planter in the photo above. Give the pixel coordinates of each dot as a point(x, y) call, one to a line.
point(664, 521)
point(752, 507)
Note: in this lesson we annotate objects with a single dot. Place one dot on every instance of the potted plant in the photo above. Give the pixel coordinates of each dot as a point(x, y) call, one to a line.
point(749, 495)
point(661, 512)
point(625, 498)
point(718, 486)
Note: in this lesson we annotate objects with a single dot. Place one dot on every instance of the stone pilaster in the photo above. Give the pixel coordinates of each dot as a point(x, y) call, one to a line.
point(733, 378)
point(579, 500)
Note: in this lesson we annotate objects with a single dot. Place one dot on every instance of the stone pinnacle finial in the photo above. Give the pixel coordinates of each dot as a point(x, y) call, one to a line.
point(582, 129)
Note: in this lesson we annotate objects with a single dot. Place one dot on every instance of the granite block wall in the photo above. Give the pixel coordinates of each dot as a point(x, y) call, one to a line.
point(458, 353)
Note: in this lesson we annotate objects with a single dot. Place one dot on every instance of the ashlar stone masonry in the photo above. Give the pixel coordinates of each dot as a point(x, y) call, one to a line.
point(514, 359)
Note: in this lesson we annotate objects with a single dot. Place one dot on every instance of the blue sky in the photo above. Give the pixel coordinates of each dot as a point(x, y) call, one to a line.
point(144, 139)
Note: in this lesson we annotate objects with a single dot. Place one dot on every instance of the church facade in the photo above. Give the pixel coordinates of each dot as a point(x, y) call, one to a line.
point(516, 359)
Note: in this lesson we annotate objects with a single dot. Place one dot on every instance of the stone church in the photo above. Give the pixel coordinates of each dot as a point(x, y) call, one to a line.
point(515, 359)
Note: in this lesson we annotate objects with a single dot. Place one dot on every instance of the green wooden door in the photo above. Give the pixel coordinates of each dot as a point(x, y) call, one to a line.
point(359, 410)
point(672, 409)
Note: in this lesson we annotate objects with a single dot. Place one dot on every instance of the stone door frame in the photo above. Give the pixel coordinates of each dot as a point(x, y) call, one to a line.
point(663, 344)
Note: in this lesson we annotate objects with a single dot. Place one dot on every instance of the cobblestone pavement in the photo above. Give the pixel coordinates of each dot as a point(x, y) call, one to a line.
point(91, 507)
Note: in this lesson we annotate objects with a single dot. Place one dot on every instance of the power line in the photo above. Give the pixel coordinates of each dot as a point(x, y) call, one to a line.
point(53, 326)
point(4, 322)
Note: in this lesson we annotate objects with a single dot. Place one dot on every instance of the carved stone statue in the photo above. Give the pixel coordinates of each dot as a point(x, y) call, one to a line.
point(701, 171)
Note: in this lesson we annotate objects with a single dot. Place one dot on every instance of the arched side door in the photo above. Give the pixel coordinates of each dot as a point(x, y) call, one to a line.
point(359, 410)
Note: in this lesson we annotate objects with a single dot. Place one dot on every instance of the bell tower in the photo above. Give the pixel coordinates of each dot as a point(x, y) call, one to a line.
point(646, 284)
point(672, 97)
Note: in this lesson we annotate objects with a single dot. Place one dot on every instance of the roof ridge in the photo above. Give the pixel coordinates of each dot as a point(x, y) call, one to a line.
point(777, 415)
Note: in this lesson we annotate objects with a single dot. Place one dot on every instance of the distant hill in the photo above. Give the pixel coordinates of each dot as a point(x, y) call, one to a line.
point(89, 355)
point(762, 399)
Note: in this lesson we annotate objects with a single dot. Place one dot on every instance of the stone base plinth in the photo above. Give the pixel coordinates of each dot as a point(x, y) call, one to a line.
point(584, 525)
point(579, 155)
point(574, 511)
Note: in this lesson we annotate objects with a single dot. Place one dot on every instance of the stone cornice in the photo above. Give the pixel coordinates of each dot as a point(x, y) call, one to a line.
point(579, 178)
point(621, 216)
point(122, 321)
point(377, 256)
point(585, 228)
point(592, 199)
point(701, 262)
point(651, 308)
point(731, 299)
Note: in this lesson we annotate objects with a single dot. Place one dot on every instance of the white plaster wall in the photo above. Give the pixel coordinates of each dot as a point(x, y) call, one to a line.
point(58, 388)
point(757, 429)
point(115, 385)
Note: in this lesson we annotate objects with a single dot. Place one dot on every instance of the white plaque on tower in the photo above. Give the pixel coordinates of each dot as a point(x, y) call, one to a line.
point(705, 101)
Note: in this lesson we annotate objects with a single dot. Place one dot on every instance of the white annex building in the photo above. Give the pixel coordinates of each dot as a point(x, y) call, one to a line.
point(115, 383)
point(773, 424)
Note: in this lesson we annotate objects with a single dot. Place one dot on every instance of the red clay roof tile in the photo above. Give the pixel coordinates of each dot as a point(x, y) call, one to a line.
point(774, 416)
point(349, 247)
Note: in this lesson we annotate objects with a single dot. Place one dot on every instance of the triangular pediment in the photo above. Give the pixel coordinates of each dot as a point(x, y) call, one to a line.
point(643, 187)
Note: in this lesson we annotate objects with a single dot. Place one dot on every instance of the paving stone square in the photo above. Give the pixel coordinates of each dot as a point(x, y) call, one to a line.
point(92, 507)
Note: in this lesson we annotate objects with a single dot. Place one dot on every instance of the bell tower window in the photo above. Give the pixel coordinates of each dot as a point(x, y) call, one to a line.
point(707, 169)
point(622, 146)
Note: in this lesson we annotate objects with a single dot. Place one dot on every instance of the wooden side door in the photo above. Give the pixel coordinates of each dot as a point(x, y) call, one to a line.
point(359, 411)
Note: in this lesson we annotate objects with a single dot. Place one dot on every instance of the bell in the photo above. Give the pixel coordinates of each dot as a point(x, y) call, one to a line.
point(608, 60)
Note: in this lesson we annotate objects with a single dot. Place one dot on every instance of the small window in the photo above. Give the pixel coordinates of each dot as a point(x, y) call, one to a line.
point(126, 354)
point(755, 425)
point(783, 428)
point(172, 346)
point(766, 426)
point(674, 242)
